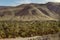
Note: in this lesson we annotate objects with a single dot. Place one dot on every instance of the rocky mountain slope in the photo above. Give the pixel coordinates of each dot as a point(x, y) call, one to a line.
point(29, 12)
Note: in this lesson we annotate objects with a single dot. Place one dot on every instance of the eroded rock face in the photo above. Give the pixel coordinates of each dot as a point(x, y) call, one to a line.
point(54, 7)
point(29, 12)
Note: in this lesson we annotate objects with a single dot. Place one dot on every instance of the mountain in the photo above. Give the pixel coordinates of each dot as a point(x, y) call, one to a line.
point(31, 12)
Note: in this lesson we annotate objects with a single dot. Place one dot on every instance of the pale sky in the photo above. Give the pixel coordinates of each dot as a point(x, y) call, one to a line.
point(18, 2)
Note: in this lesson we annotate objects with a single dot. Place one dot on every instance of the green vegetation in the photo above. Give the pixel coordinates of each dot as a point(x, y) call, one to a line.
point(12, 29)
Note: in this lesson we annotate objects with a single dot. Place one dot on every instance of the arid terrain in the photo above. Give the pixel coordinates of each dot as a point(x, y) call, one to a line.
point(30, 22)
point(44, 37)
point(29, 12)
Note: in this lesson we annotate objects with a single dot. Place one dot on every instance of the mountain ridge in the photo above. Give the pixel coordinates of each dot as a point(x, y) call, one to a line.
point(29, 12)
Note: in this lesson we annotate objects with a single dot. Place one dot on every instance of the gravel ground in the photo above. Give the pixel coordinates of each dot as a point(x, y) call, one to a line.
point(44, 37)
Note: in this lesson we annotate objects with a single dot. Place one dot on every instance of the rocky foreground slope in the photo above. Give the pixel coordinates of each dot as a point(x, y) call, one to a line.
point(29, 12)
point(45, 37)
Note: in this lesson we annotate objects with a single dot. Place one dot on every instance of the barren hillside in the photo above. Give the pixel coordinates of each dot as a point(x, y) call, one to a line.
point(29, 12)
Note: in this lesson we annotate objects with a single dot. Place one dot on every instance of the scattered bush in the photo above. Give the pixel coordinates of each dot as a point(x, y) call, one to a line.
point(12, 29)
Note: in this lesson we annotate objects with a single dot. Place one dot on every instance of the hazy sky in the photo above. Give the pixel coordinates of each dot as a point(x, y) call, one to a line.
point(17, 2)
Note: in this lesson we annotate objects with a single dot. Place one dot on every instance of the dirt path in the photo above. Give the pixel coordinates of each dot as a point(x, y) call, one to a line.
point(45, 37)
